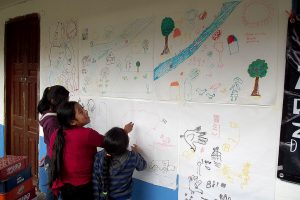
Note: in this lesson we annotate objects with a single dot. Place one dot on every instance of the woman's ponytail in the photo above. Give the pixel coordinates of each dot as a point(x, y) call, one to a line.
point(105, 176)
point(57, 156)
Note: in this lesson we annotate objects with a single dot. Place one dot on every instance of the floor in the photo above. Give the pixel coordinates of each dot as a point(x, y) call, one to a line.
point(40, 196)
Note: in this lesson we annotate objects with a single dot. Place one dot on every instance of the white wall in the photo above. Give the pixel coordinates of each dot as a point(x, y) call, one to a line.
point(54, 10)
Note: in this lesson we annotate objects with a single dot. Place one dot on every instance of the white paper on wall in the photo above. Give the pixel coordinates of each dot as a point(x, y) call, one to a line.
point(210, 51)
point(63, 55)
point(117, 58)
point(202, 56)
point(226, 151)
point(155, 132)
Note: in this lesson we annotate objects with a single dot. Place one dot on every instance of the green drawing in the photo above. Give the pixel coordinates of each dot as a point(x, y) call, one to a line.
point(257, 69)
point(137, 64)
point(167, 26)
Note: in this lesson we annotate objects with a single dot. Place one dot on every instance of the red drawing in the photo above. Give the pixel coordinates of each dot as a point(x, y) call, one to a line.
point(202, 15)
point(216, 35)
point(176, 33)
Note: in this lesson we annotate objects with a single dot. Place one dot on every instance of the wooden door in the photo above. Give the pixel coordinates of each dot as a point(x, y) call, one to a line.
point(22, 46)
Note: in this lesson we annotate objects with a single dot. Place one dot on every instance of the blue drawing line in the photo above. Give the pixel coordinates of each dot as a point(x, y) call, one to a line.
point(173, 62)
point(131, 32)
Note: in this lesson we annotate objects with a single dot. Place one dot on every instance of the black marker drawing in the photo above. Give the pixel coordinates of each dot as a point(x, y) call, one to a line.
point(224, 197)
point(194, 184)
point(161, 166)
point(91, 106)
point(209, 94)
point(193, 137)
point(216, 156)
point(235, 88)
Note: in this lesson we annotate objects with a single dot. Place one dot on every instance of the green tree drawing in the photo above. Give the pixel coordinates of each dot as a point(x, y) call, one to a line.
point(257, 69)
point(137, 64)
point(167, 26)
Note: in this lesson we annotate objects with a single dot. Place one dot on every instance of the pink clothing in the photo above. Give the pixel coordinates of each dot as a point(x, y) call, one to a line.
point(49, 123)
point(78, 156)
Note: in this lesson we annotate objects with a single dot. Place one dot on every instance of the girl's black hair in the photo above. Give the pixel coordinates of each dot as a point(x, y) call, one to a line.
point(65, 115)
point(52, 97)
point(115, 144)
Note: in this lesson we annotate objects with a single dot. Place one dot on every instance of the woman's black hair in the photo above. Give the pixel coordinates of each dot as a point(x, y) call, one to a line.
point(65, 115)
point(115, 144)
point(52, 97)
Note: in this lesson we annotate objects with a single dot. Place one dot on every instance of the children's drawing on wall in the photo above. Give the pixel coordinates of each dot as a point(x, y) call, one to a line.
point(194, 137)
point(257, 13)
point(63, 55)
point(120, 59)
point(233, 137)
point(159, 139)
point(174, 90)
point(233, 44)
point(209, 93)
point(170, 64)
point(191, 49)
point(188, 87)
point(218, 46)
point(205, 40)
point(155, 136)
point(235, 88)
point(257, 69)
point(200, 186)
point(207, 165)
point(104, 80)
point(151, 69)
point(176, 33)
point(161, 166)
point(167, 26)
point(242, 176)
point(216, 156)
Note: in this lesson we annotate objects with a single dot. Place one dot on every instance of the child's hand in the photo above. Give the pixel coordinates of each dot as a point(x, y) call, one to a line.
point(136, 149)
point(128, 127)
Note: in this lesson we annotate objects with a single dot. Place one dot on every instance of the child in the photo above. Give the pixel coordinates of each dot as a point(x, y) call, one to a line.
point(72, 151)
point(52, 97)
point(114, 166)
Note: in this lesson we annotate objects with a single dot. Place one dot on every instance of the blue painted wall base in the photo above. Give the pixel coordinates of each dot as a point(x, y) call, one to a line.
point(42, 173)
point(2, 148)
point(146, 191)
point(42, 180)
point(42, 148)
point(142, 190)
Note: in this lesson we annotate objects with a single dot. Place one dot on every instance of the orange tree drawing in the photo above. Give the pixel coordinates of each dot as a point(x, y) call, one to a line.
point(257, 69)
point(167, 26)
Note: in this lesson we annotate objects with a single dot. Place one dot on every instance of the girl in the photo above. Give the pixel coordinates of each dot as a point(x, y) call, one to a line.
point(72, 151)
point(47, 106)
point(114, 166)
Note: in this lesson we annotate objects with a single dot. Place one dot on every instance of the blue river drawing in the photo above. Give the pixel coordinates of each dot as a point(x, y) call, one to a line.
point(170, 64)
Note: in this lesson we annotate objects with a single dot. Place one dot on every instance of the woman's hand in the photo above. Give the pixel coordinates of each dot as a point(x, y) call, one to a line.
point(128, 127)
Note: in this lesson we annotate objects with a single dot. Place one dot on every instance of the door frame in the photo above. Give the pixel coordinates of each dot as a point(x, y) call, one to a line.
point(7, 91)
